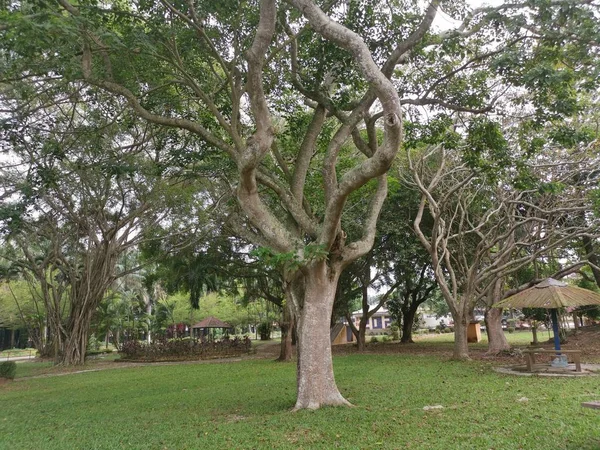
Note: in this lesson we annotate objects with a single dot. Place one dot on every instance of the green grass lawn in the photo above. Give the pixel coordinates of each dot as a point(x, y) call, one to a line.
point(13, 352)
point(246, 404)
point(518, 338)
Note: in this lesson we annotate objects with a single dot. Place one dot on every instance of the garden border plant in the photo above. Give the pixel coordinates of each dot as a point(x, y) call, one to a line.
point(8, 369)
point(183, 349)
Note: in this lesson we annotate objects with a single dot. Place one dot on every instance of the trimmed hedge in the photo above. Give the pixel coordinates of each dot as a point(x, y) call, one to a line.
point(8, 369)
point(183, 349)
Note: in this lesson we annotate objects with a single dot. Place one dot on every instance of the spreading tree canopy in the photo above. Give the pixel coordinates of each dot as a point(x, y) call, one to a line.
point(281, 91)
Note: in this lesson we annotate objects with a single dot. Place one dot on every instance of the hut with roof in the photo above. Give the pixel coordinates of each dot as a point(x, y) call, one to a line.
point(205, 328)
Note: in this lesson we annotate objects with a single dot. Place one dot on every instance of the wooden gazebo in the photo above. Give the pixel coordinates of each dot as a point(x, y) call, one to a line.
point(205, 326)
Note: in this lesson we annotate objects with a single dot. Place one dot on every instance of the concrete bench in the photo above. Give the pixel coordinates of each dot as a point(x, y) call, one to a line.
point(531, 352)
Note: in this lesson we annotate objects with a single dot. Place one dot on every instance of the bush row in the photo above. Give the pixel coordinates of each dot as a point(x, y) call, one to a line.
point(183, 349)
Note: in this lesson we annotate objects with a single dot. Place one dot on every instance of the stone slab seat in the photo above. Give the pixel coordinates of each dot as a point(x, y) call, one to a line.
point(593, 405)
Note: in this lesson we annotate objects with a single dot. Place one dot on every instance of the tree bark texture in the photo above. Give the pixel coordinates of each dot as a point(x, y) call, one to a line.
point(588, 245)
point(316, 383)
point(534, 333)
point(461, 347)
point(493, 326)
point(76, 336)
point(361, 338)
point(408, 319)
point(287, 327)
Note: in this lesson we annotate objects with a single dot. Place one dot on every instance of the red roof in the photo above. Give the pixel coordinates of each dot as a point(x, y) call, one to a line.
point(211, 322)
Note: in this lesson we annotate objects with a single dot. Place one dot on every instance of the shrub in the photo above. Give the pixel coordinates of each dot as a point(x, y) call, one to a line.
point(385, 339)
point(511, 329)
point(102, 351)
point(374, 340)
point(93, 344)
point(182, 350)
point(395, 332)
point(8, 369)
point(264, 330)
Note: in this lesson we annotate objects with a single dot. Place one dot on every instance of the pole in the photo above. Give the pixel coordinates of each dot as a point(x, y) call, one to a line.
point(554, 315)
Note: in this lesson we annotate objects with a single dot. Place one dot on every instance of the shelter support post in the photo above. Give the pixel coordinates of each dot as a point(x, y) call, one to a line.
point(554, 315)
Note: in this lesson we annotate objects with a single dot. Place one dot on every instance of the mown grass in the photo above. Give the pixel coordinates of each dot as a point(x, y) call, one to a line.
point(14, 352)
point(246, 405)
point(519, 337)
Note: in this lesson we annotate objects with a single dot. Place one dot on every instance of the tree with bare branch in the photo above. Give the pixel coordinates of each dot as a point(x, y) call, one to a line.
point(486, 227)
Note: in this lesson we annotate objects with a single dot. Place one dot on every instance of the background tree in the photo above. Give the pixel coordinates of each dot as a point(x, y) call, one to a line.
point(19, 314)
point(355, 285)
point(484, 229)
point(85, 184)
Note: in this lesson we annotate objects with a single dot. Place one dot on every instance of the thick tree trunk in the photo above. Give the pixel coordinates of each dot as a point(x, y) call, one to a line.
point(76, 336)
point(287, 326)
point(73, 353)
point(461, 347)
point(408, 319)
point(493, 326)
point(316, 383)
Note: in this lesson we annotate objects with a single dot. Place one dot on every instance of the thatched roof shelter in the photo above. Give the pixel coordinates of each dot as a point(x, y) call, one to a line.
point(211, 322)
point(205, 326)
point(551, 294)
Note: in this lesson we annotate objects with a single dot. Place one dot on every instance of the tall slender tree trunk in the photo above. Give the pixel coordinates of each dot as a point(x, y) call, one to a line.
point(575, 322)
point(149, 320)
point(316, 383)
point(534, 333)
point(287, 326)
point(360, 333)
point(493, 326)
point(12, 338)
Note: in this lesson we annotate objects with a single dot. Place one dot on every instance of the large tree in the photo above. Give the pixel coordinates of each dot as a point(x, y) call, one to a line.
point(486, 227)
point(83, 183)
point(229, 72)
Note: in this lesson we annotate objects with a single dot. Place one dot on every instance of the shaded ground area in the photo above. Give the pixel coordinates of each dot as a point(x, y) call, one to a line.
point(587, 340)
